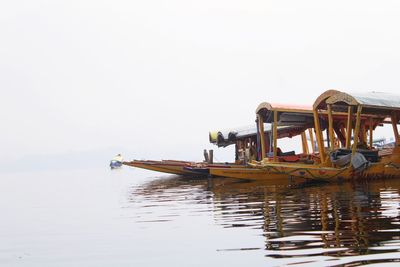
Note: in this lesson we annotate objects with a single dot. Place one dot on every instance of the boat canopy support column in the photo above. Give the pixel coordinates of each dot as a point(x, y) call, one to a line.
point(349, 128)
point(262, 135)
point(318, 134)
point(275, 136)
point(395, 120)
point(304, 142)
point(310, 132)
point(357, 129)
point(364, 132)
point(330, 131)
point(371, 132)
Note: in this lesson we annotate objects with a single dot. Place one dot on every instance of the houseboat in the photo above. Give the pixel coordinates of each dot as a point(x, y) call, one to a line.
point(344, 126)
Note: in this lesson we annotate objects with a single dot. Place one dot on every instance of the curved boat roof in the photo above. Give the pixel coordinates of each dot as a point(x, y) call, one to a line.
point(378, 100)
point(288, 115)
point(320, 102)
point(266, 107)
point(374, 103)
point(229, 136)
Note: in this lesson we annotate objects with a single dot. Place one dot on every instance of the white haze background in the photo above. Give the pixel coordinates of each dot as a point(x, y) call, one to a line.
point(83, 80)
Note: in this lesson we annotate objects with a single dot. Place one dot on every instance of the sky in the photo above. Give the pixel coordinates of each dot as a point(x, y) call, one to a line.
point(150, 79)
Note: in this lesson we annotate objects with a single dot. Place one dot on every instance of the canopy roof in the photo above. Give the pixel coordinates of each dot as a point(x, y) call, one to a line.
point(228, 137)
point(378, 100)
point(288, 115)
point(320, 103)
point(372, 102)
point(266, 107)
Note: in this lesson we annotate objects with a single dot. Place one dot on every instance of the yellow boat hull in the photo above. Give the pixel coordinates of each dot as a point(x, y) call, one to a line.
point(165, 166)
point(250, 173)
point(387, 168)
point(180, 167)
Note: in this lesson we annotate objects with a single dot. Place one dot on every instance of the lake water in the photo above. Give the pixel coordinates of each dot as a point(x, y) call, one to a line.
point(132, 217)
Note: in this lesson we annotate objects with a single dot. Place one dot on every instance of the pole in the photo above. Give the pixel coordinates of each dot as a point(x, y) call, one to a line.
point(318, 134)
point(262, 136)
point(348, 130)
point(312, 140)
point(357, 129)
point(331, 134)
point(275, 136)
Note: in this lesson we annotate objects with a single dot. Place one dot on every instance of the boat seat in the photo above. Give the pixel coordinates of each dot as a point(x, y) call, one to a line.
point(289, 153)
point(289, 158)
point(370, 155)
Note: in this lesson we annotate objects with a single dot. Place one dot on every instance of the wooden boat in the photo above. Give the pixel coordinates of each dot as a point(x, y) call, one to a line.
point(345, 155)
point(243, 138)
point(246, 142)
point(293, 121)
point(365, 112)
point(247, 148)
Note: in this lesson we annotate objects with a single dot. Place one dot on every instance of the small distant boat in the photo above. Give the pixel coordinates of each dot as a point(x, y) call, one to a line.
point(116, 162)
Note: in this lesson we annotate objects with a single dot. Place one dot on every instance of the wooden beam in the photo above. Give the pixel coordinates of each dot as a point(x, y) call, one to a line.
point(275, 136)
point(310, 132)
point(349, 127)
point(330, 129)
point(304, 142)
point(262, 135)
point(318, 134)
point(364, 133)
point(357, 129)
point(371, 132)
point(395, 130)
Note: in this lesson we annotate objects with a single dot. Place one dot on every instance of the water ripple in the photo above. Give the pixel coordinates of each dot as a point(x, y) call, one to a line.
point(329, 224)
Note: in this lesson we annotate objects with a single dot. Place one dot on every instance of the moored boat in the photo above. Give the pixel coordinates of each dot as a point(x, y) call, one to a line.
point(246, 142)
point(284, 121)
point(348, 153)
point(242, 138)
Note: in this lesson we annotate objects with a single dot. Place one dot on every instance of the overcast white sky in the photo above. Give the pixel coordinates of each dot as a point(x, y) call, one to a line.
point(153, 77)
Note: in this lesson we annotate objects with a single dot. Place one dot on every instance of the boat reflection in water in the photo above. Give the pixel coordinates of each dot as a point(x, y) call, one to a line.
point(329, 224)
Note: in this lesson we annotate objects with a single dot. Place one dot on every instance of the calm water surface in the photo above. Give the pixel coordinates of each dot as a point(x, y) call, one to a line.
point(131, 217)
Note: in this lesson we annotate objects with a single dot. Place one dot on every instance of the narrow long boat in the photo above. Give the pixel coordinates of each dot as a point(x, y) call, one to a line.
point(293, 120)
point(348, 152)
point(247, 147)
point(365, 113)
point(243, 138)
